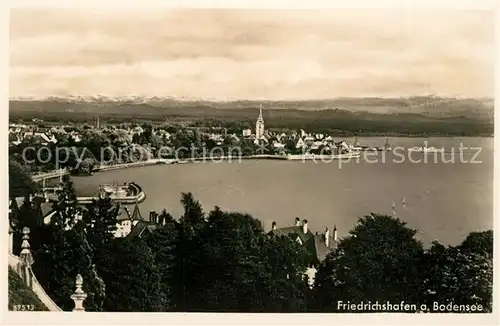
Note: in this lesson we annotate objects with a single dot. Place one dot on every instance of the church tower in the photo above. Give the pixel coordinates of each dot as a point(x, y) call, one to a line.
point(259, 125)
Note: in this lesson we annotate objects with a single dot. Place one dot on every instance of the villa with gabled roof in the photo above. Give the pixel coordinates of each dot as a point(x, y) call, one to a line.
point(318, 246)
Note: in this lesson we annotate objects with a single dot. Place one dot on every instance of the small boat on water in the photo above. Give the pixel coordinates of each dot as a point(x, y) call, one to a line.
point(309, 156)
point(426, 149)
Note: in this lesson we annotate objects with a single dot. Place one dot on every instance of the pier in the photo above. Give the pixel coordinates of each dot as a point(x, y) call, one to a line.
point(37, 177)
point(138, 195)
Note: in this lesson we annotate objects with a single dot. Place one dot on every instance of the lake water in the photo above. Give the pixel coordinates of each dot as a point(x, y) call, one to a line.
point(444, 201)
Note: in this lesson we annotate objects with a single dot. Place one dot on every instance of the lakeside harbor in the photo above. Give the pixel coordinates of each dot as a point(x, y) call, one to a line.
point(128, 193)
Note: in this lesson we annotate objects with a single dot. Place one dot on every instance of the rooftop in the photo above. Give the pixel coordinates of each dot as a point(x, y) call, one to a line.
point(315, 244)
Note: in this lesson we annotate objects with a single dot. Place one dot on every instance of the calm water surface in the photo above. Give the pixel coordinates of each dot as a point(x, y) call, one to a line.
point(444, 201)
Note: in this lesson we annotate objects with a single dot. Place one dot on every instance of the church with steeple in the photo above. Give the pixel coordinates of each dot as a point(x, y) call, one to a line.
point(259, 125)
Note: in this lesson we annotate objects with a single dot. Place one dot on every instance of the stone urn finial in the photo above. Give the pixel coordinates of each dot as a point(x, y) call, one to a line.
point(79, 296)
point(25, 256)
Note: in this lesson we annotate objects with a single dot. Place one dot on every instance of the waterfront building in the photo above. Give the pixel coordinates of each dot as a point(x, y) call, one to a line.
point(278, 145)
point(259, 125)
point(300, 143)
point(247, 132)
point(260, 141)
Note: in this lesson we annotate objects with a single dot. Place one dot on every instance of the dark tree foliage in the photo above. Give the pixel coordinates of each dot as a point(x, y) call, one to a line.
point(63, 255)
point(66, 205)
point(64, 251)
point(227, 250)
point(133, 280)
point(164, 245)
point(99, 219)
point(458, 275)
point(479, 242)
point(227, 263)
point(287, 287)
point(379, 260)
point(20, 182)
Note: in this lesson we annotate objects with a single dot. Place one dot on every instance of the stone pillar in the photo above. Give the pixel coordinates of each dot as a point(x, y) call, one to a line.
point(79, 296)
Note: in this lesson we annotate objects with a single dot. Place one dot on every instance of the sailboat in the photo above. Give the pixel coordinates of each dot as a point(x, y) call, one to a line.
point(356, 146)
point(393, 209)
point(404, 202)
point(387, 146)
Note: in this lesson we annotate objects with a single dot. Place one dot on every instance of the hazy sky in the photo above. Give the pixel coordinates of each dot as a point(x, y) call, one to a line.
point(254, 54)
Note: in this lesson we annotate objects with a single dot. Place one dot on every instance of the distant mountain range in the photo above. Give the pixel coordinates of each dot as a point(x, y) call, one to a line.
point(427, 106)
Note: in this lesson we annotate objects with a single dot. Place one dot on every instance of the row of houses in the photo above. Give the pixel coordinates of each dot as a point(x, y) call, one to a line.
point(277, 140)
point(19, 133)
point(129, 223)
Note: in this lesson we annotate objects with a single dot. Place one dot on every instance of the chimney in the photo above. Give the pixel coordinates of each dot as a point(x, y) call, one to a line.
point(327, 237)
point(334, 233)
point(304, 226)
point(297, 221)
point(274, 226)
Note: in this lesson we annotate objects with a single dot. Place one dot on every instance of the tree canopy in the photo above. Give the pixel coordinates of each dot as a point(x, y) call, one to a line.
point(379, 260)
point(20, 181)
point(225, 262)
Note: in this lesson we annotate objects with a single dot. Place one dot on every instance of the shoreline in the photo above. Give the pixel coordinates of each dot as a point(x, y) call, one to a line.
point(290, 157)
point(224, 158)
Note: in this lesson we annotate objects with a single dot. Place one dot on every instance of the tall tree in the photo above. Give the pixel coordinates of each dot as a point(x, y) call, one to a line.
point(63, 255)
point(66, 205)
point(458, 275)
point(380, 260)
point(231, 265)
point(287, 287)
point(99, 218)
point(164, 244)
point(133, 281)
point(193, 218)
point(479, 242)
point(65, 252)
